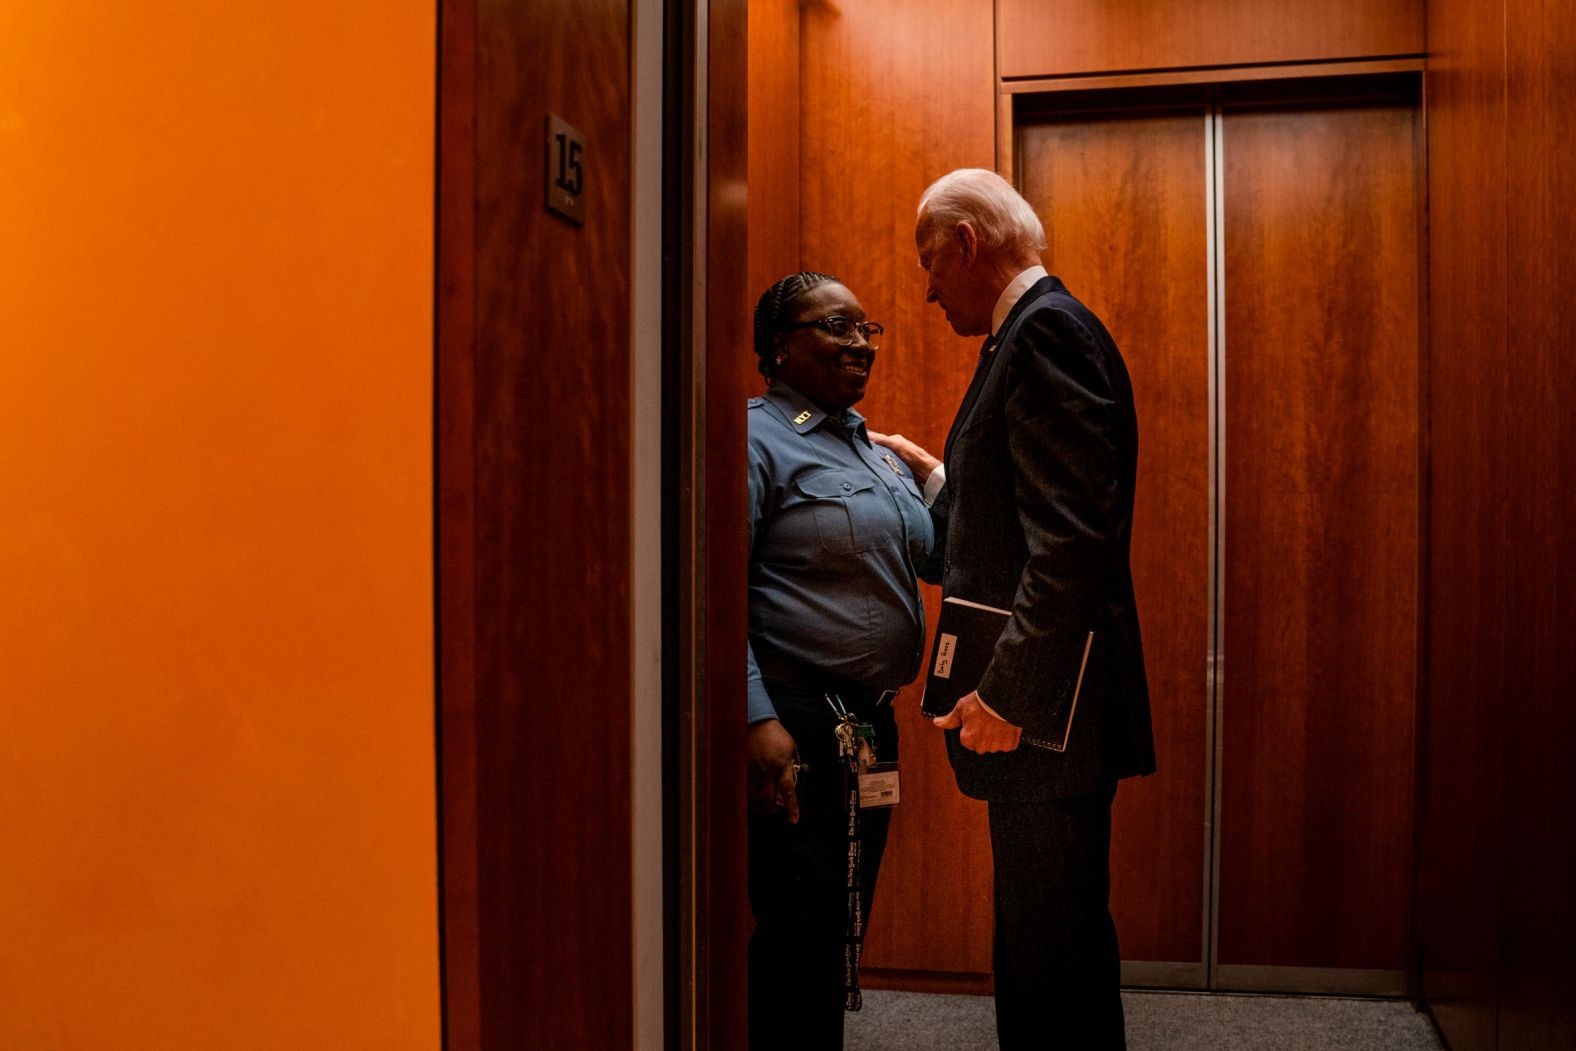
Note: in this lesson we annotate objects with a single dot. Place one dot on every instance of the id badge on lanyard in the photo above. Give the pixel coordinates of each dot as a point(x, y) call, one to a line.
point(878, 781)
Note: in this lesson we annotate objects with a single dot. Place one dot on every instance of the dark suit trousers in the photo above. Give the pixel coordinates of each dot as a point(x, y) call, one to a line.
point(798, 883)
point(1058, 973)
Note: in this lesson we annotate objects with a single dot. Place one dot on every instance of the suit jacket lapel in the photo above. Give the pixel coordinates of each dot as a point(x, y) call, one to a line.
point(989, 356)
point(981, 370)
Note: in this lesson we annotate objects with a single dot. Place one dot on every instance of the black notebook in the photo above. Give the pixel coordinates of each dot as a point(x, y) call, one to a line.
point(966, 635)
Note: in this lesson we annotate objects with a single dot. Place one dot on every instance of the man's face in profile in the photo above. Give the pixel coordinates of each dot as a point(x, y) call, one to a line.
point(949, 281)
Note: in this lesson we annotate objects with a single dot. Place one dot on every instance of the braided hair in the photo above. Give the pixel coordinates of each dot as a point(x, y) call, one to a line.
point(774, 303)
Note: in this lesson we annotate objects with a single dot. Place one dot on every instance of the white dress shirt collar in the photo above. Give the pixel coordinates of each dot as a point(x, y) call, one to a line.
point(1010, 296)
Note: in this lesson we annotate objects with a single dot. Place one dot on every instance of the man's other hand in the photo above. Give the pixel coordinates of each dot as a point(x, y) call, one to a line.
point(774, 769)
point(982, 731)
point(918, 460)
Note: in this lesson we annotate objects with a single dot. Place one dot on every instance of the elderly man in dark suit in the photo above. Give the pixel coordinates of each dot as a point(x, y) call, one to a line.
point(1038, 509)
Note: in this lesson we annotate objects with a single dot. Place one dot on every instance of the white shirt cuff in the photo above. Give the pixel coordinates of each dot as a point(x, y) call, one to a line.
point(933, 484)
point(989, 709)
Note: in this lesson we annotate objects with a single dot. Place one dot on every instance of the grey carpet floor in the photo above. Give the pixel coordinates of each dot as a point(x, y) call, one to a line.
point(894, 1021)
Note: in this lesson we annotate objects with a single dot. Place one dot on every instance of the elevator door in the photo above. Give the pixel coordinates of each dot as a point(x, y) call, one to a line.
point(1127, 227)
point(1256, 258)
point(1319, 602)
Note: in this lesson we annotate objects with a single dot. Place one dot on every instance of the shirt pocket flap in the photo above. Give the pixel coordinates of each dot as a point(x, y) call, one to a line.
point(824, 485)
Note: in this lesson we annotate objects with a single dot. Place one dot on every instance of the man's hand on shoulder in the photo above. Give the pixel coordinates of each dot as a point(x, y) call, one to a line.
point(983, 730)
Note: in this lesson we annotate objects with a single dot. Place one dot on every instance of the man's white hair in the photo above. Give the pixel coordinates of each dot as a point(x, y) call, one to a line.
point(1001, 218)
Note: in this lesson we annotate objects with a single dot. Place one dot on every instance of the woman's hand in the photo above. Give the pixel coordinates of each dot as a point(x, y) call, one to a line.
point(918, 460)
point(774, 769)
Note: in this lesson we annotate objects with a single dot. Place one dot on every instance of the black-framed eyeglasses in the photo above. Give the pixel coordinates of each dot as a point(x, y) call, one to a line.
point(842, 329)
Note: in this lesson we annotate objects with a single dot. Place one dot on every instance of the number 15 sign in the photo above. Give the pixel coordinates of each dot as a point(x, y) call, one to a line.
point(566, 174)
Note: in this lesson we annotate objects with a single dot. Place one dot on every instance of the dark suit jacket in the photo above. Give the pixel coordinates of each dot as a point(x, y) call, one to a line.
point(1038, 515)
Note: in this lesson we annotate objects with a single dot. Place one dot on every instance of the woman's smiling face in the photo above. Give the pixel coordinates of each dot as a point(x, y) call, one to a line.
point(816, 365)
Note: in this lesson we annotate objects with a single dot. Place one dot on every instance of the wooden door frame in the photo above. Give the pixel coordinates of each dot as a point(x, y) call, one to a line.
point(1007, 91)
point(706, 386)
point(704, 923)
point(454, 526)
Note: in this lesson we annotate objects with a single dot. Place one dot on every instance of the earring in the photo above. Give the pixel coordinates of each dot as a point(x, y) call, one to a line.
point(781, 358)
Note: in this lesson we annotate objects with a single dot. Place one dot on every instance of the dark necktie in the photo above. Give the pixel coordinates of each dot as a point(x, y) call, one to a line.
point(981, 371)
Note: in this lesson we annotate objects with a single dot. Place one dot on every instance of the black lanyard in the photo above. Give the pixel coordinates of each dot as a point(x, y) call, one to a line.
point(854, 930)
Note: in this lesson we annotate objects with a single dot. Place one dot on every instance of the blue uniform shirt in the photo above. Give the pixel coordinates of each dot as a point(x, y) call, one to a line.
point(837, 526)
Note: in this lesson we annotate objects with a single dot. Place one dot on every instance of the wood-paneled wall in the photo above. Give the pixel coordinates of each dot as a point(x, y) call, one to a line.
point(1468, 622)
point(1043, 38)
point(1498, 860)
point(773, 240)
point(533, 403)
point(1538, 919)
point(896, 93)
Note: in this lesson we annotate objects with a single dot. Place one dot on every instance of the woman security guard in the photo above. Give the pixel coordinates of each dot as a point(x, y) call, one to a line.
point(839, 532)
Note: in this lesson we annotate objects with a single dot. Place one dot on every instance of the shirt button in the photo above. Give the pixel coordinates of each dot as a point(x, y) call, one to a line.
point(846, 487)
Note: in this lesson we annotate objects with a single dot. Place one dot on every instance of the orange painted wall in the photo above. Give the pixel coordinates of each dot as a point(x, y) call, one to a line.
point(217, 816)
